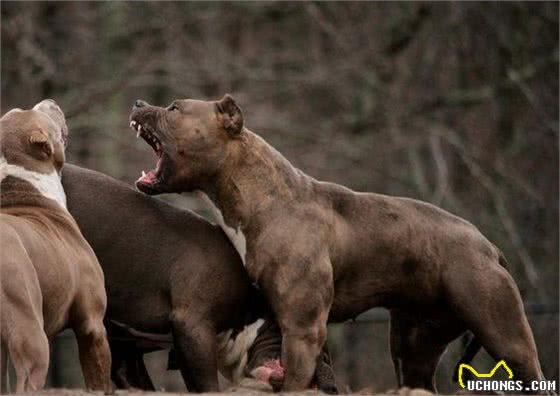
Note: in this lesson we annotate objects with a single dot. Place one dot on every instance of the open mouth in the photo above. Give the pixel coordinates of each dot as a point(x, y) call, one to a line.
point(148, 181)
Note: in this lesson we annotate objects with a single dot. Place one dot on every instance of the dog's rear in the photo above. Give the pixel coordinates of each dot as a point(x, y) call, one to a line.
point(21, 316)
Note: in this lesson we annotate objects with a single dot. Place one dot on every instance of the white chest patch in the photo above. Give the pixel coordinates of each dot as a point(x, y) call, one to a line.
point(49, 185)
point(233, 352)
point(235, 235)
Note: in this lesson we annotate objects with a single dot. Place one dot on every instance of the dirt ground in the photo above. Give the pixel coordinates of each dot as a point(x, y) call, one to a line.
point(247, 387)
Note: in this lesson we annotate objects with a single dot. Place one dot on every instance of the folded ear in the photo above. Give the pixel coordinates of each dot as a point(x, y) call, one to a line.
point(53, 110)
point(230, 115)
point(39, 141)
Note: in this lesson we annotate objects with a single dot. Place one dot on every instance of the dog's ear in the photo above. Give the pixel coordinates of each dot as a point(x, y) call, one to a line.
point(230, 115)
point(40, 144)
point(55, 113)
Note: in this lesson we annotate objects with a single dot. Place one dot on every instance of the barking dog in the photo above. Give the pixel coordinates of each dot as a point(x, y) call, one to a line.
point(50, 277)
point(320, 251)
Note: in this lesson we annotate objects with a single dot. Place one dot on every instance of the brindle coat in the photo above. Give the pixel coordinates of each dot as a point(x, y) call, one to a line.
point(322, 252)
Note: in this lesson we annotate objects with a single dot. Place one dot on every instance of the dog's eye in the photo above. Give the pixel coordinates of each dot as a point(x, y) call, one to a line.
point(173, 107)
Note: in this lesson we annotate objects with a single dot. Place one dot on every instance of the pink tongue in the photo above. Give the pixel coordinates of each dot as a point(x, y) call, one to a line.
point(271, 370)
point(148, 177)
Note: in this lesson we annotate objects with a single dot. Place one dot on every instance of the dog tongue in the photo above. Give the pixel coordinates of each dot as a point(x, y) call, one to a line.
point(147, 178)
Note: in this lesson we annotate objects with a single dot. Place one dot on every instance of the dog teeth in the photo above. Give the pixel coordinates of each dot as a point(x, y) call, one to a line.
point(143, 173)
point(147, 135)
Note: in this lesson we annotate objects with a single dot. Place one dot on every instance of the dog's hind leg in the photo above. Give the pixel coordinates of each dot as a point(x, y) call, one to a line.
point(86, 319)
point(95, 357)
point(29, 354)
point(21, 316)
point(195, 340)
point(39, 368)
point(491, 306)
point(417, 344)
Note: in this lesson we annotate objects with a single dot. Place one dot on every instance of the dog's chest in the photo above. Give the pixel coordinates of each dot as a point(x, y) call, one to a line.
point(235, 235)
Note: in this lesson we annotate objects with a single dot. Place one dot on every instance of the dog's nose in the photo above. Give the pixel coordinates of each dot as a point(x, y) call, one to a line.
point(139, 103)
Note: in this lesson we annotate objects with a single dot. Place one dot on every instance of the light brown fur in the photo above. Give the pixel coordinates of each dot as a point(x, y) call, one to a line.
point(50, 277)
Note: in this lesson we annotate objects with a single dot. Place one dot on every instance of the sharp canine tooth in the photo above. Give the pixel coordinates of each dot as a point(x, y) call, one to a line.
point(138, 134)
point(143, 173)
point(132, 124)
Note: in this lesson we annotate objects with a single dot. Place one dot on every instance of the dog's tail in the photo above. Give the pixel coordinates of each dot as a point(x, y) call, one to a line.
point(472, 348)
point(164, 339)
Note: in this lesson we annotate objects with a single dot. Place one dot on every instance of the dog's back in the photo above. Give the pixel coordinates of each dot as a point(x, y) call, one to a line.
point(44, 242)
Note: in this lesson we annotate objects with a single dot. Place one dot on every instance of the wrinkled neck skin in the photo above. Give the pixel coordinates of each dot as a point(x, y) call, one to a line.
point(253, 179)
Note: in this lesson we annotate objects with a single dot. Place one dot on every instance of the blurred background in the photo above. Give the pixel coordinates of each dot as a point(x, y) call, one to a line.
point(452, 103)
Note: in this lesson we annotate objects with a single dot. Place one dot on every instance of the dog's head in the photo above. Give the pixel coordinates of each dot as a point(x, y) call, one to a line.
point(191, 138)
point(34, 139)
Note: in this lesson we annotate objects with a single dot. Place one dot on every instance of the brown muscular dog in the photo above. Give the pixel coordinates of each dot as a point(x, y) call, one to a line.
point(322, 252)
point(50, 277)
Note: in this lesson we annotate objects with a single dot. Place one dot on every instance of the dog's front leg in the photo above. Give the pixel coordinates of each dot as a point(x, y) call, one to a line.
point(301, 299)
point(195, 340)
point(300, 350)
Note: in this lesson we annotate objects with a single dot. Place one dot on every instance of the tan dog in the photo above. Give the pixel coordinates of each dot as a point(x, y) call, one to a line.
point(320, 251)
point(50, 277)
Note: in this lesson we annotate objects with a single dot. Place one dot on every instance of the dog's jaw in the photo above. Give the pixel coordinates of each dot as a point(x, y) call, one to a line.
point(49, 185)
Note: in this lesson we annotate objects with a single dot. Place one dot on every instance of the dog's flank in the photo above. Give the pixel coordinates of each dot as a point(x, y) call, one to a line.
point(48, 185)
